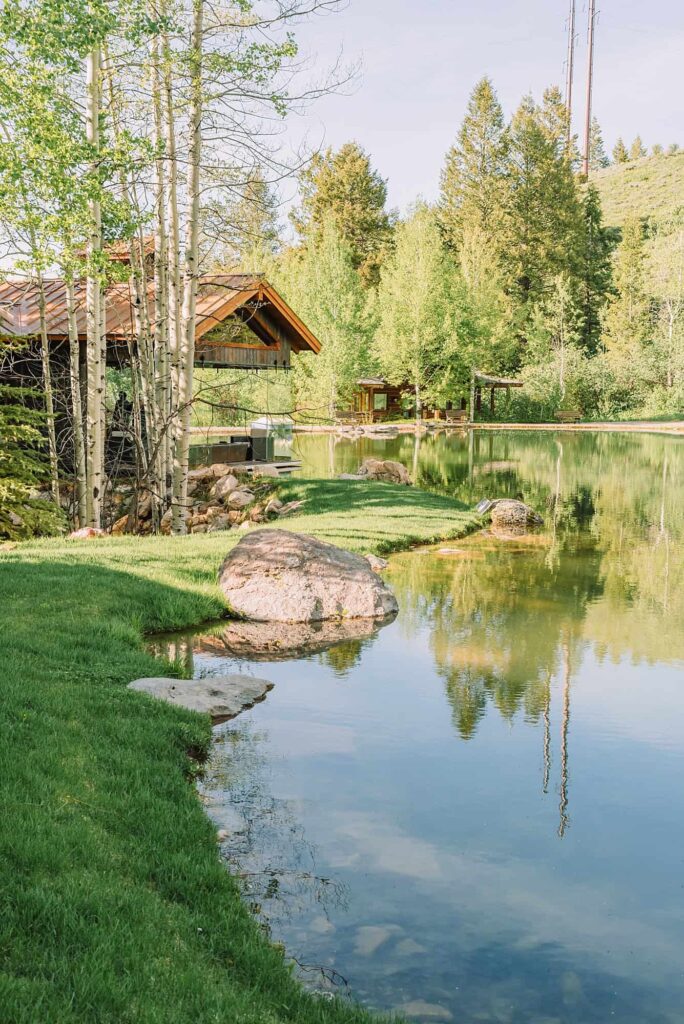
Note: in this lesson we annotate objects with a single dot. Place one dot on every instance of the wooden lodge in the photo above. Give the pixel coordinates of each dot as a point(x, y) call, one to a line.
point(242, 322)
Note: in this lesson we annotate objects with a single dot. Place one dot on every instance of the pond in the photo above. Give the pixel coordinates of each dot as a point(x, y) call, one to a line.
point(475, 813)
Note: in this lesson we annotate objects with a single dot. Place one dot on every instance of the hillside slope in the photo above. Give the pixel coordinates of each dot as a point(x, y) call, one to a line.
point(651, 188)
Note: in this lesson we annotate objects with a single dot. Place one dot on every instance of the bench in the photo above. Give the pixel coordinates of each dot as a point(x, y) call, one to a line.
point(568, 416)
point(456, 416)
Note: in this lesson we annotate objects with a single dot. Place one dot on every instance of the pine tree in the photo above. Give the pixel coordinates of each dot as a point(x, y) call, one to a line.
point(620, 154)
point(543, 223)
point(596, 274)
point(474, 172)
point(626, 321)
point(553, 116)
point(23, 461)
point(344, 185)
point(598, 157)
point(415, 342)
point(637, 150)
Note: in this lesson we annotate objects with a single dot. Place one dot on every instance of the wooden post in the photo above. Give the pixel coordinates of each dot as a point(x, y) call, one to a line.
point(491, 401)
point(472, 397)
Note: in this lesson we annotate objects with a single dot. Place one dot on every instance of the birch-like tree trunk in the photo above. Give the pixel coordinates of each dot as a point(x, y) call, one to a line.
point(162, 359)
point(187, 322)
point(76, 404)
point(95, 370)
point(173, 282)
point(47, 388)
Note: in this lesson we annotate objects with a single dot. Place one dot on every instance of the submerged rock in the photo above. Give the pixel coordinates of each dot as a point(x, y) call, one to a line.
point(279, 576)
point(222, 697)
point(418, 1009)
point(507, 513)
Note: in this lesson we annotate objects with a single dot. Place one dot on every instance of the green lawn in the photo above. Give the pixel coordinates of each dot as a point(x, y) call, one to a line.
point(114, 905)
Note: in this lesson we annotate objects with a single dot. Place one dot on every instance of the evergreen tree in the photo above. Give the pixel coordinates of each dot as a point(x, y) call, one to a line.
point(23, 461)
point(620, 154)
point(626, 322)
point(419, 307)
point(596, 276)
point(657, 150)
point(322, 284)
point(474, 173)
point(344, 185)
point(637, 150)
point(248, 228)
point(598, 157)
point(543, 224)
point(553, 116)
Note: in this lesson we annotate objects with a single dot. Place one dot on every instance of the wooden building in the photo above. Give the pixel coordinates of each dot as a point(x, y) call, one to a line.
point(242, 322)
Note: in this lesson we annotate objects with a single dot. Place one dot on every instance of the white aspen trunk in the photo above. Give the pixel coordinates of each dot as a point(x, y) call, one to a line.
point(47, 387)
point(187, 325)
point(76, 405)
point(95, 394)
point(161, 319)
point(170, 167)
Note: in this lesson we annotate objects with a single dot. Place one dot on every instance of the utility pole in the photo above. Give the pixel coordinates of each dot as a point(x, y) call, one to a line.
point(570, 71)
point(590, 82)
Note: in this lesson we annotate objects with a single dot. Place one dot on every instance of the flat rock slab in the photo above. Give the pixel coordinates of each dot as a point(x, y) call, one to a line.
point(279, 576)
point(222, 697)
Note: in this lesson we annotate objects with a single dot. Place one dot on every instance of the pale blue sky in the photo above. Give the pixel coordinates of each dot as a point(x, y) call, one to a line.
point(421, 59)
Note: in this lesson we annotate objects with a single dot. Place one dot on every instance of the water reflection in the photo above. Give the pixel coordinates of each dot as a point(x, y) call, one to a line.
point(479, 806)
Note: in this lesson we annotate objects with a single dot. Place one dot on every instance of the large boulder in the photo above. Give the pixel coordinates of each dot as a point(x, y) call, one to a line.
point(222, 697)
point(278, 576)
point(508, 514)
point(384, 469)
point(238, 500)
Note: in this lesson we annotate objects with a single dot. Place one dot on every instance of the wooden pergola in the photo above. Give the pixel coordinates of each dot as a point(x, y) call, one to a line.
point(480, 380)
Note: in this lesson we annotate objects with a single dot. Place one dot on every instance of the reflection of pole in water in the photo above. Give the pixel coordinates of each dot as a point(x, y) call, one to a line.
point(563, 805)
point(547, 737)
point(416, 453)
point(471, 458)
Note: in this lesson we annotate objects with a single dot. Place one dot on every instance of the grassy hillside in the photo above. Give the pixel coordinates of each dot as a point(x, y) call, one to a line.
point(650, 188)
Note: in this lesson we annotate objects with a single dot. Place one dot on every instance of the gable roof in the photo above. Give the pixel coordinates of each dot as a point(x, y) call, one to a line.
point(219, 296)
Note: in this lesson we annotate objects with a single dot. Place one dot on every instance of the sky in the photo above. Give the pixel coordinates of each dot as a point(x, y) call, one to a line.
point(420, 60)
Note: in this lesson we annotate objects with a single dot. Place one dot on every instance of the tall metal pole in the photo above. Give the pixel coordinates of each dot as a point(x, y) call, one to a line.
point(590, 82)
point(570, 70)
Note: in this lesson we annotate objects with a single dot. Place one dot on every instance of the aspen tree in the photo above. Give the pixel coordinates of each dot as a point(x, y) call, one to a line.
point(187, 324)
point(95, 371)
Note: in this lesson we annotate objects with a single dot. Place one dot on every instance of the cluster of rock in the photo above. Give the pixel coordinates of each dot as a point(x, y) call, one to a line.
point(385, 470)
point(220, 500)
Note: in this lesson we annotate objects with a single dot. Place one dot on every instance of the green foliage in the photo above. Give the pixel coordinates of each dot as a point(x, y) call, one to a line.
point(596, 270)
point(322, 284)
point(598, 158)
point(23, 467)
point(421, 315)
point(343, 186)
point(637, 150)
point(620, 154)
point(626, 324)
point(474, 174)
point(543, 226)
point(248, 228)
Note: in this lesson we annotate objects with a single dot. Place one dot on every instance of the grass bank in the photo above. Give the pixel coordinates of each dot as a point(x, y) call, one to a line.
point(114, 905)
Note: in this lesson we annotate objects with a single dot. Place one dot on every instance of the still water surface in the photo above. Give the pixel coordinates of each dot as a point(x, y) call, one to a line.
point(476, 813)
